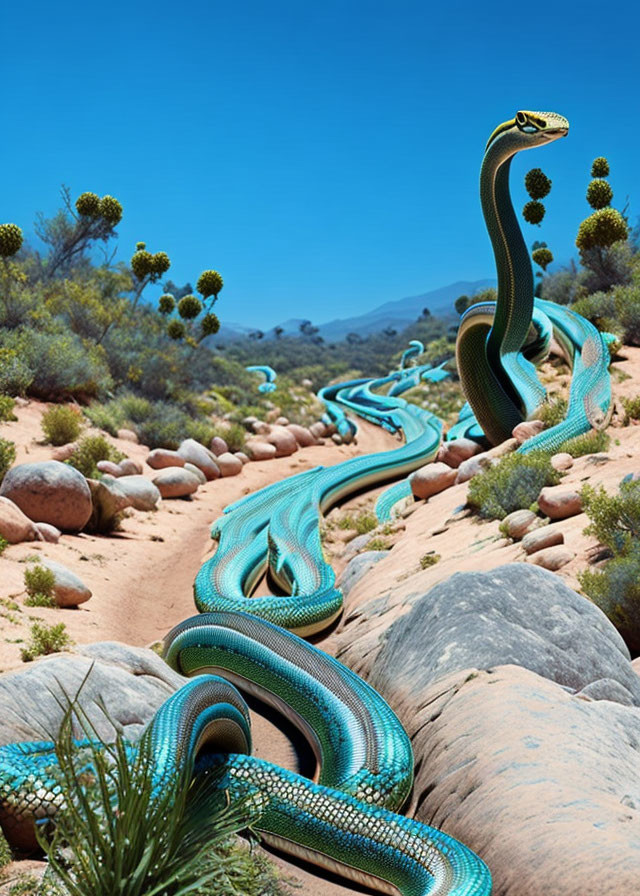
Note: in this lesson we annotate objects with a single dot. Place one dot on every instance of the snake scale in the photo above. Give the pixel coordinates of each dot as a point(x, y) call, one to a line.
point(346, 819)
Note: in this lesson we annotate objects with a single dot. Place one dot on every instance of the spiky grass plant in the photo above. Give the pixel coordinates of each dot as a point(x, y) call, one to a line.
point(122, 829)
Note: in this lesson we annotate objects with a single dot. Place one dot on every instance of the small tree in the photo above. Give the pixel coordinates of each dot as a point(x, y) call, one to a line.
point(461, 304)
point(538, 186)
point(190, 308)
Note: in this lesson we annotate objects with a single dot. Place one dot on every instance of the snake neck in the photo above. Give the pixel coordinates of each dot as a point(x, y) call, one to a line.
point(514, 306)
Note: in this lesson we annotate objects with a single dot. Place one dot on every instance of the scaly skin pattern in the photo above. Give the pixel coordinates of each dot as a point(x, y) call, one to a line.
point(495, 365)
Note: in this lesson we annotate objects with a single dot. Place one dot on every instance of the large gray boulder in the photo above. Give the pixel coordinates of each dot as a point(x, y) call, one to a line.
point(513, 614)
point(195, 453)
point(358, 567)
point(142, 493)
point(50, 492)
point(15, 526)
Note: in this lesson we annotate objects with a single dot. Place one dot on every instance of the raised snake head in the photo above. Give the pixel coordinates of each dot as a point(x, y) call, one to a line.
point(529, 129)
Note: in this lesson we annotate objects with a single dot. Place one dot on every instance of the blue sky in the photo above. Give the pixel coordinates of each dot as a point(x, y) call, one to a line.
point(323, 157)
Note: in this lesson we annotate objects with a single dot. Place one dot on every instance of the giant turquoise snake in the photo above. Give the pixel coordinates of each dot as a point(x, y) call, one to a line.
point(345, 819)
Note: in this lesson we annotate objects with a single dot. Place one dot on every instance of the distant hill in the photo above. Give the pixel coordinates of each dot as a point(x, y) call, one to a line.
point(396, 314)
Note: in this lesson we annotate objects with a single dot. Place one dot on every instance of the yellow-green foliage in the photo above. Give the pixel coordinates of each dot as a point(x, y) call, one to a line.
point(4, 544)
point(553, 412)
point(234, 435)
point(514, 483)
point(615, 522)
point(45, 639)
point(5, 851)
point(362, 522)
point(589, 443)
point(61, 424)
point(377, 544)
point(632, 407)
point(39, 583)
point(7, 456)
point(89, 451)
point(6, 408)
point(429, 559)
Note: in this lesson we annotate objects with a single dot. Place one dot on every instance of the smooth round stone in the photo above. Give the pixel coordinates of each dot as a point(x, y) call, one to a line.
point(50, 492)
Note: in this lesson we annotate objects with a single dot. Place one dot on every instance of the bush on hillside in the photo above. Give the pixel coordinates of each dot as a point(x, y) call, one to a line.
point(89, 451)
point(7, 456)
point(514, 483)
point(593, 442)
point(7, 405)
point(61, 424)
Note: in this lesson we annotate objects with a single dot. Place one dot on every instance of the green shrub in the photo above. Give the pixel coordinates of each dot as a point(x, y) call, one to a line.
point(632, 407)
point(45, 639)
point(362, 522)
point(553, 412)
point(592, 442)
point(7, 456)
point(89, 451)
point(514, 483)
point(627, 305)
point(170, 840)
point(39, 583)
point(235, 436)
point(615, 519)
point(377, 544)
point(616, 590)
point(429, 559)
point(5, 851)
point(7, 405)
point(15, 375)
point(61, 424)
point(4, 544)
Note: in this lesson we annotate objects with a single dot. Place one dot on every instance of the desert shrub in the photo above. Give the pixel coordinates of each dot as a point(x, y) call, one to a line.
point(429, 559)
point(632, 407)
point(171, 840)
point(592, 442)
point(553, 412)
point(4, 544)
point(5, 851)
point(45, 639)
point(15, 375)
point(61, 424)
point(614, 519)
point(39, 583)
point(627, 305)
point(6, 408)
point(158, 424)
point(514, 483)
point(7, 456)
point(363, 522)
point(234, 435)
point(599, 308)
point(89, 451)
point(377, 544)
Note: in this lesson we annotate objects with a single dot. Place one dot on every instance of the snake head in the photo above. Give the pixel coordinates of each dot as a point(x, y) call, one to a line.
point(530, 129)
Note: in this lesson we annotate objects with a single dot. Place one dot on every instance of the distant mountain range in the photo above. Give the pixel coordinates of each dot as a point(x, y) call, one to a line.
point(397, 314)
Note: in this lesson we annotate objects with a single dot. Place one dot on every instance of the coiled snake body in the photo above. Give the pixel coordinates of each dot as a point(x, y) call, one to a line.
point(345, 818)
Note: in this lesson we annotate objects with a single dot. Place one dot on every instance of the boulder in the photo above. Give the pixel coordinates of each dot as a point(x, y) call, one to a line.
point(318, 430)
point(200, 457)
point(142, 493)
point(229, 464)
point(302, 435)
point(160, 458)
point(518, 523)
point(197, 472)
point(15, 526)
point(284, 441)
point(49, 533)
point(561, 461)
point(282, 421)
point(109, 500)
point(244, 459)
point(108, 467)
point(307, 383)
point(175, 482)
point(504, 448)
point(553, 558)
point(454, 452)
point(50, 492)
point(336, 438)
point(68, 589)
point(545, 537)
point(219, 446)
point(258, 450)
point(358, 567)
point(516, 613)
point(559, 502)
point(261, 428)
point(470, 468)
point(130, 467)
point(248, 422)
point(431, 479)
point(64, 452)
point(128, 435)
point(526, 430)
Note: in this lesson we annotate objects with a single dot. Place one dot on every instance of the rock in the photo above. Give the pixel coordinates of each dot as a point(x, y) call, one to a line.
point(518, 523)
point(130, 467)
point(229, 464)
point(545, 537)
point(175, 482)
point(503, 448)
point(526, 430)
point(470, 468)
point(50, 492)
point(318, 430)
point(107, 466)
point(69, 590)
point(160, 458)
point(242, 457)
point(200, 457)
point(219, 446)
point(282, 421)
point(558, 502)
point(15, 526)
point(128, 435)
point(559, 777)
point(248, 422)
point(336, 438)
point(357, 544)
point(142, 493)
point(552, 558)
point(284, 441)
point(431, 479)
point(561, 461)
point(516, 613)
point(258, 450)
point(202, 479)
point(261, 428)
point(48, 532)
point(358, 567)
point(109, 500)
point(606, 689)
point(454, 452)
point(307, 383)
point(64, 452)
point(302, 435)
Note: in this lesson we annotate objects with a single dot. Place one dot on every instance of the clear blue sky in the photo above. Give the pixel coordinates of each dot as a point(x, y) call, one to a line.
point(323, 156)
